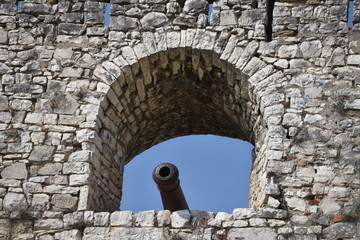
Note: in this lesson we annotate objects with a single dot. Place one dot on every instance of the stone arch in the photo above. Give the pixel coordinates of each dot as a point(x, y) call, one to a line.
point(180, 83)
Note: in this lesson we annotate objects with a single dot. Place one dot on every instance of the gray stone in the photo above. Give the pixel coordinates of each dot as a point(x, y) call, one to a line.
point(145, 219)
point(50, 169)
point(252, 234)
point(3, 36)
point(163, 218)
point(195, 6)
point(4, 104)
point(123, 218)
point(64, 202)
point(42, 154)
point(101, 219)
point(15, 202)
point(123, 23)
point(15, 171)
point(40, 202)
point(136, 233)
point(71, 72)
point(65, 104)
point(74, 234)
point(180, 219)
point(154, 19)
point(340, 230)
point(227, 18)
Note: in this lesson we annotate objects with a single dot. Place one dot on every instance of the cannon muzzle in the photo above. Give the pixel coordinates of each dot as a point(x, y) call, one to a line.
point(166, 176)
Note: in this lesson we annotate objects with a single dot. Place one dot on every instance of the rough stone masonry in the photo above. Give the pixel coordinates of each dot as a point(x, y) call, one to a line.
point(79, 100)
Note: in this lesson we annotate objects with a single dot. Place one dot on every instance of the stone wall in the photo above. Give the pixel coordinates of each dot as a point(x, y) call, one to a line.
point(79, 100)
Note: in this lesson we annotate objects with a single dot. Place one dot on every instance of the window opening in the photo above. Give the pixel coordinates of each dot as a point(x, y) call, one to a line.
point(107, 15)
point(210, 12)
point(350, 14)
point(19, 5)
point(214, 173)
point(269, 23)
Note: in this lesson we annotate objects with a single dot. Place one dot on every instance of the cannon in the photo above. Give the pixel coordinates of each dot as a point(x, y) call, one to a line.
point(166, 176)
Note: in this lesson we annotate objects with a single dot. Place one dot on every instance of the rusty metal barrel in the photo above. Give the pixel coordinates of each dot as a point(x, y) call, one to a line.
point(166, 176)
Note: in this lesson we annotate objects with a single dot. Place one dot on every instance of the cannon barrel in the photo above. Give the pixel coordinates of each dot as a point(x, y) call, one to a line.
point(166, 176)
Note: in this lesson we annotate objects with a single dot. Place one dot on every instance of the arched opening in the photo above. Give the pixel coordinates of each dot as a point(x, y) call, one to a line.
point(158, 91)
point(214, 173)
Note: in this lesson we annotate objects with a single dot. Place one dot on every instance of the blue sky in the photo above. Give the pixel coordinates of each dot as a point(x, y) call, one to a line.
point(214, 173)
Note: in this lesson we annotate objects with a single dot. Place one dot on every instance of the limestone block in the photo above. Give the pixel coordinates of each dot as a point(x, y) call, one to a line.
point(340, 230)
point(86, 61)
point(73, 219)
point(154, 20)
point(79, 179)
point(3, 36)
point(145, 219)
point(195, 6)
point(51, 169)
point(32, 187)
point(163, 218)
point(74, 234)
point(252, 233)
point(15, 171)
point(273, 203)
point(123, 23)
point(137, 233)
point(15, 202)
point(49, 223)
point(257, 222)
point(296, 203)
point(311, 49)
point(93, 233)
point(337, 58)
point(101, 219)
point(329, 206)
point(65, 104)
point(227, 17)
point(122, 218)
point(40, 202)
point(180, 219)
point(76, 168)
point(289, 51)
point(34, 118)
point(272, 213)
point(292, 120)
point(244, 213)
point(4, 104)
point(71, 72)
point(21, 105)
point(64, 202)
point(41, 153)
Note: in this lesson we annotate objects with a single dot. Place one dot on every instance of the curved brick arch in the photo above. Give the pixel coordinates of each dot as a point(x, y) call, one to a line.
point(161, 88)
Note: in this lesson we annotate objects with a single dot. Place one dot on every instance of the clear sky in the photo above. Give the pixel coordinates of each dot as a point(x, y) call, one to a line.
point(214, 173)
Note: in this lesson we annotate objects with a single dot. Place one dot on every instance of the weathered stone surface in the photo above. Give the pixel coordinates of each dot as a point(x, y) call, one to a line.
point(15, 171)
point(42, 153)
point(65, 104)
point(122, 23)
point(154, 19)
point(180, 219)
point(252, 234)
point(137, 233)
point(15, 202)
point(195, 6)
point(64, 202)
point(40, 202)
point(340, 230)
point(122, 219)
point(145, 219)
